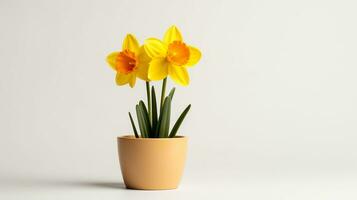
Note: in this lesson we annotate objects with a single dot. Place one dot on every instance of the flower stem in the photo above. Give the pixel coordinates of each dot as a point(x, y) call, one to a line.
point(149, 100)
point(163, 92)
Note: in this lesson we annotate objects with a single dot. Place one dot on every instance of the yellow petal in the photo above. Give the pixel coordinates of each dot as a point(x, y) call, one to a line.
point(111, 60)
point(143, 65)
point(195, 56)
point(132, 80)
point(172, 34)
point(158, 69)
point(130, 43)
point(179, 74)
point(142, 72)
point(155, 48)
point(122, 79)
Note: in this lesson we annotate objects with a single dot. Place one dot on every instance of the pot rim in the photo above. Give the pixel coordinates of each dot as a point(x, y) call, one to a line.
point(132, 137)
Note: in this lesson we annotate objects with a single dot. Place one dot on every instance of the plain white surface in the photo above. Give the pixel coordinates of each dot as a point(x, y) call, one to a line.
point(273, 99)
point(292, 188)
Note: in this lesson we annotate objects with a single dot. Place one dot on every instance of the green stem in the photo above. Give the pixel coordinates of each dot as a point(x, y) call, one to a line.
point(149, 100)
point(163, 92)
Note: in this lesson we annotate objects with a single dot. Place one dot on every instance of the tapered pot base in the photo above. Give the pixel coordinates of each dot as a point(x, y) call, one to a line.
point(152, 163)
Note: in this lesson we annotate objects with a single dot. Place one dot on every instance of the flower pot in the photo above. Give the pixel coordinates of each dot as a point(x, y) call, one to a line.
point(152, 163)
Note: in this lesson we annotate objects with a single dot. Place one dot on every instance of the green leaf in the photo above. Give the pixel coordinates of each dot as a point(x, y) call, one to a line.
point(146, 118)
point(140, 122)
point(179, 121)
point(143, 124)
point(165, 118)
point(154, 112)
point(133, 125)
point(172, 92)
point(149, 99)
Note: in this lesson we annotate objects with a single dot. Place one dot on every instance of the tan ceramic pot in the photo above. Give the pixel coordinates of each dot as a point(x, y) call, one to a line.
point(152, 163)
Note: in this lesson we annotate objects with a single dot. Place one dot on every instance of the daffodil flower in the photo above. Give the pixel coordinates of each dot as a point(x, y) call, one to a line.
point(171, 57)
point(130, 63)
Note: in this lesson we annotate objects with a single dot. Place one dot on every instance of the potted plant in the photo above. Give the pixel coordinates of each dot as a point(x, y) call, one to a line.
point(154, 156)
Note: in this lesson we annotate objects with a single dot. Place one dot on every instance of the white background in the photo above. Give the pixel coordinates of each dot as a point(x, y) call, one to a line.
point(273, 99)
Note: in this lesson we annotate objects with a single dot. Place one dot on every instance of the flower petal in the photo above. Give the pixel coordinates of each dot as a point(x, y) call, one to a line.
point(122, 79)
point(195, 56)
point(143, 65)
point(130, 43)
point(142, 72)
point(158, 69)
point(179, 74)
point(155, 48)
point(172, 34)
point(132, 80)
point(111, 60)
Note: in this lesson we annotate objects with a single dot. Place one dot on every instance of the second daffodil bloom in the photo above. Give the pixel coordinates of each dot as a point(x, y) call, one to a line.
point(130, 63)
point(171, 57)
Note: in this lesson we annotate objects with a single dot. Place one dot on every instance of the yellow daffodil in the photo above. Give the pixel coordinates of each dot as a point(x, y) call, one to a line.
point(171, 57)
point(130, 63)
